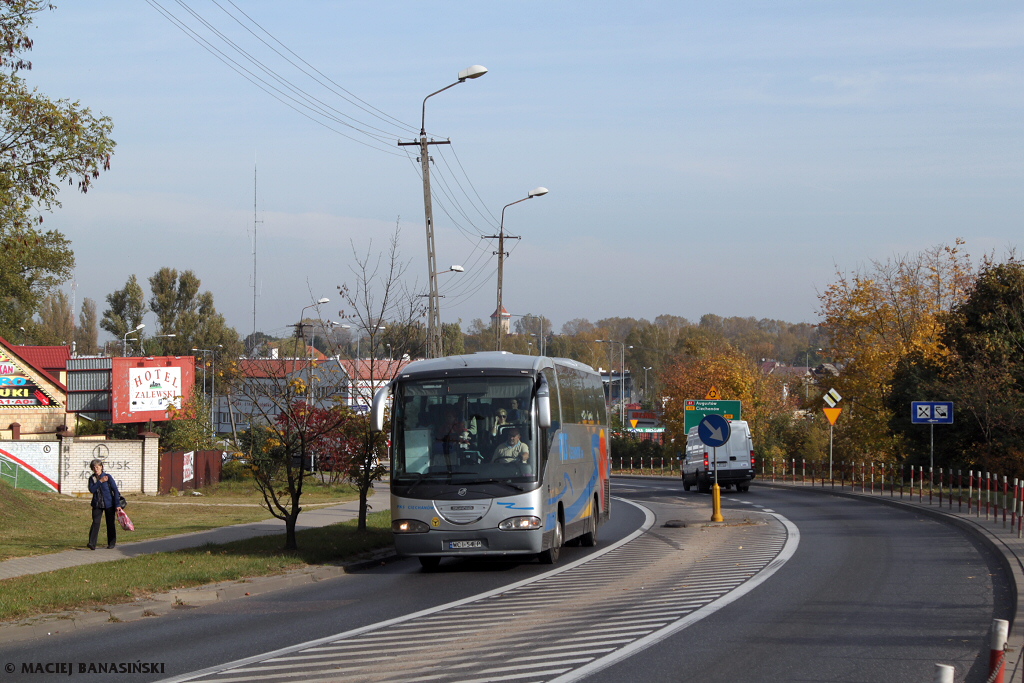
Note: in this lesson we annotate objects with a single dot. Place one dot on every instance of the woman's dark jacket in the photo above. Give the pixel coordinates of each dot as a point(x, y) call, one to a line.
point(104, 493)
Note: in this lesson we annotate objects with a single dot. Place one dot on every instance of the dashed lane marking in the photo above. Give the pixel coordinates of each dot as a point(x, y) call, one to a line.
point(555, 627)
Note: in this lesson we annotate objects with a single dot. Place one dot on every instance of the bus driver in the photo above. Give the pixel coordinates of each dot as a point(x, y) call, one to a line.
point(513, 450)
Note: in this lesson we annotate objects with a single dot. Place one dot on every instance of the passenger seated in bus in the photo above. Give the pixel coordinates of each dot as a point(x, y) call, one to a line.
point(512, 450)
point(500, 420)
point(514, 413)
point(451, 435)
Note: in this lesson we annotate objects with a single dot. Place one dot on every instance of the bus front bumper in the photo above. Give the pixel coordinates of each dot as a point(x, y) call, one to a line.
point(471, 542)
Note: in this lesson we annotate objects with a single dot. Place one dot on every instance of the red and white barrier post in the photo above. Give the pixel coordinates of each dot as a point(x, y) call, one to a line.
point(997, 657)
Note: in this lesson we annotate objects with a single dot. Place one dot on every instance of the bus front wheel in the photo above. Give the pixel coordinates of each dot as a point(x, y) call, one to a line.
point(550, 556)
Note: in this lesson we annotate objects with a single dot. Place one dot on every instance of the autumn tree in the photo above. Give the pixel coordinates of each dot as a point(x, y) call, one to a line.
point(44, 144)
point(87, 332)
point(189, 428)
point(378, 302)
point(190, 315)
point(736, 377)
point(980, 370)
point(876, 319)
point(125, 309)
point(56, 324)
point(282, 448)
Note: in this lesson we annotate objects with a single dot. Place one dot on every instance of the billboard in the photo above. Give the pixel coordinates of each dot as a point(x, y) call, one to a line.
point(18, 389)
point(144, 388)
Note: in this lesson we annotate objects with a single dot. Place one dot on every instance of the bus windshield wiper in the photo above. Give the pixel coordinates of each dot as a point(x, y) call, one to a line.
point(419, 478)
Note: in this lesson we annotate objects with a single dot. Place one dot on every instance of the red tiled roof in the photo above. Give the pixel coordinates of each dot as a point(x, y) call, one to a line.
point(49, 360)
point(271, 367)
point(381, 368)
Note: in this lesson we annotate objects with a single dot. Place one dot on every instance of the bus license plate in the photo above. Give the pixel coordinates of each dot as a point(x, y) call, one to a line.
point(462, 545)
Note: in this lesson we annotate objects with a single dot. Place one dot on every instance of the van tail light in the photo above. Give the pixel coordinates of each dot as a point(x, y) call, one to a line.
point(753, 460)
point(707, 463)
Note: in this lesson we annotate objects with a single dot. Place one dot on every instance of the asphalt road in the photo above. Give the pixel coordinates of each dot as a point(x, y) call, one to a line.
point(196, 638)
point(871, 593)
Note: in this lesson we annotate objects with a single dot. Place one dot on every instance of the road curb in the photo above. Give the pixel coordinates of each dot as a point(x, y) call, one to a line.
point(1012, 560)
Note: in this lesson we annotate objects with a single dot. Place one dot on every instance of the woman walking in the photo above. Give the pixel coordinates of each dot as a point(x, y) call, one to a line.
point(105, 502)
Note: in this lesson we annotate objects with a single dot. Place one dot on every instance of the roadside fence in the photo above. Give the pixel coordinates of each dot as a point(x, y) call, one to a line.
point(996, 497)
point(661, 465)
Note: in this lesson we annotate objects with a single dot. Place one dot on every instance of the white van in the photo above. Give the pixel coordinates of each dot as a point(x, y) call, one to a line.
point(735, 460)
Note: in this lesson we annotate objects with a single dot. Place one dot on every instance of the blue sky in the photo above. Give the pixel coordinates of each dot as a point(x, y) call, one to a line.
point(700, 157)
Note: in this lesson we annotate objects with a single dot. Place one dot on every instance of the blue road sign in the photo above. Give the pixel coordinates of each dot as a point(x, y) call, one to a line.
point(714, 430)
point(931, 412)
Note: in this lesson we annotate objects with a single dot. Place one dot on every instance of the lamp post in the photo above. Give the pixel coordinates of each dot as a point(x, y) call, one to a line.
point(434, 349)
point(213, 382)
point(536, 192)
point(646, 397)
point(124, 345)
point(622, 376)
point(213, 370)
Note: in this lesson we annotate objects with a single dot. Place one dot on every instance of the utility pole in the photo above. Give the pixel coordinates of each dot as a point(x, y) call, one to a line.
point(501, 236)
point(434, 349)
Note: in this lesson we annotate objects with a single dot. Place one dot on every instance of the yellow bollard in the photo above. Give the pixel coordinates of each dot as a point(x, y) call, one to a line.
point(716, 496)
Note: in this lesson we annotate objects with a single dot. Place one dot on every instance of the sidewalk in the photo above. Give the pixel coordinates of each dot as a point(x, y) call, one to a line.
point(308, 519)
point(1003, 536)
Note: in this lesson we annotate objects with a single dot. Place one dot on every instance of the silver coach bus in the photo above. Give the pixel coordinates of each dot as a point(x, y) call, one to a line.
point(496, 454)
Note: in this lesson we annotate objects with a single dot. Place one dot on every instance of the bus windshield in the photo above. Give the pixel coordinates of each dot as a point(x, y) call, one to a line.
point(464, 430)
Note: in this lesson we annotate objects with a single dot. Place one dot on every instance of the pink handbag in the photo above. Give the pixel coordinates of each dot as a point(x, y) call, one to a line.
point(125, 521)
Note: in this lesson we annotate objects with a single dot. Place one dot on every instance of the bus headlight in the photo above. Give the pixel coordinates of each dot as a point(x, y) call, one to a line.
point(520, 523)
point(409, 526)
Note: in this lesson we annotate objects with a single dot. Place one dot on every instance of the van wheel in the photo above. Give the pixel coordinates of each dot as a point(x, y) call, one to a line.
point(703, 485)
point(550, 556)
point(742, 488)
point(589, 537)
point(430, 563)
point(686, 483)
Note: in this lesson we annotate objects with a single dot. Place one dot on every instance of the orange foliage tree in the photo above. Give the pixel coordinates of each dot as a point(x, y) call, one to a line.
point(877, 318)
point(736, 376)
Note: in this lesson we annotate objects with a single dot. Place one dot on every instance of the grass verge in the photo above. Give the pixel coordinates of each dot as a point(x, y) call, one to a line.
point(36, 523)
point(125, 580)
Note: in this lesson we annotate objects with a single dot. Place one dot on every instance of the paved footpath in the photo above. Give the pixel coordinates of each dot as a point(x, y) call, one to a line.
point(309, 518)
point(991, 526)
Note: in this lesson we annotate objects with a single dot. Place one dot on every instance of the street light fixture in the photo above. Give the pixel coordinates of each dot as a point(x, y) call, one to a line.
point(213, 381)
point(434, 349)
point(622, 375)
point(646, 397)
point(536, 192)
point(124, 345)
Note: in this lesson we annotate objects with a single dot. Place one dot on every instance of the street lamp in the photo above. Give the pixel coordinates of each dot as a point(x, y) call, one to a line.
point(536, 192)
point(434, 349)
point(124, 345)
point(622, 375)
point(213, 381)
point(646, 397)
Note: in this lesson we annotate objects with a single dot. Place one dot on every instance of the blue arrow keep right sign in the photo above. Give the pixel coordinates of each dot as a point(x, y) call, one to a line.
point(714, 431)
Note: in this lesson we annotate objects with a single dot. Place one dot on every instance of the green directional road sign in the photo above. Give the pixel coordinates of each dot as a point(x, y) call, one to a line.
point(694, 411)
